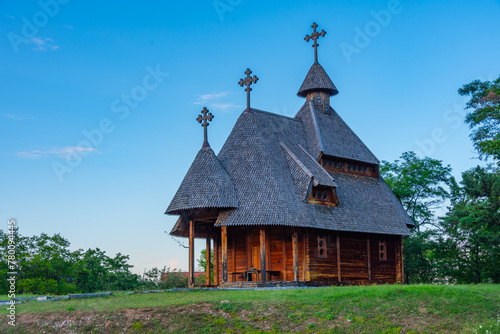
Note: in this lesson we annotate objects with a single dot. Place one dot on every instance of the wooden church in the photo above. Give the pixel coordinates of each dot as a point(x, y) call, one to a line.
point(291, 201)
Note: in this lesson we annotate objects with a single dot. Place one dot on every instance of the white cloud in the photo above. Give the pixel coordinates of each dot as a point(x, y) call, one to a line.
point(43, 44)
point(17, 118)
point(216, 101)
point(61, 152)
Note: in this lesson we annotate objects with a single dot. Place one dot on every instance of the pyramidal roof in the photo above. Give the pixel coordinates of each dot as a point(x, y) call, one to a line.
point(317, 80)
point(206, 185)
point(330, 135)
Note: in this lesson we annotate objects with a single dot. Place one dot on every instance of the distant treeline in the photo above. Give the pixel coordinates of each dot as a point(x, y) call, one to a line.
point(45, 265)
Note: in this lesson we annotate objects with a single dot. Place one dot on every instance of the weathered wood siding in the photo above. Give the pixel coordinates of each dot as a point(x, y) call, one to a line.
point(354, 265)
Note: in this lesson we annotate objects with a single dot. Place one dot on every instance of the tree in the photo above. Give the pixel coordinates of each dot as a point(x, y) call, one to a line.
point(484, 120)
point(469, 250)
point(419, 184)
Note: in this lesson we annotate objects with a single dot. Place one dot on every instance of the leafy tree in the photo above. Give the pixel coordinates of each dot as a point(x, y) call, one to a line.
point(202, 261)
point(469, 250)
point(484, 120)
point(419, 184)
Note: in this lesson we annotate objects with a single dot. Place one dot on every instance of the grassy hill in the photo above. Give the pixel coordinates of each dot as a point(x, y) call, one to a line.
point(360, 309)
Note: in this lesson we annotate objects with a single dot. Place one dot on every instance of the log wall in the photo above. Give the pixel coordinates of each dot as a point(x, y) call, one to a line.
point(352, 250)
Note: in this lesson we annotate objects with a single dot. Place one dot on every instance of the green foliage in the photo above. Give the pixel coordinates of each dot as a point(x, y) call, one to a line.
point(419, 184)
point(484, 120)
point(469, 249)
point(47, 266)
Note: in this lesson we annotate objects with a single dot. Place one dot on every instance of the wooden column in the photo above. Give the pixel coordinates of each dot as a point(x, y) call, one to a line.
point(295, 249)
point(216, 260)
point(263, 273)
point(284, 254)
point(304, 247)
point(402, 262)
point(224, 253)
point(339, 273)
point(399, 260)
point(209, 263)
point(368, 255)
point(191, 254)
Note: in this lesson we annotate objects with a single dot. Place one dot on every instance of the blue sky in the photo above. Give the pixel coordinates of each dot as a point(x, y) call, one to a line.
point(99, 100)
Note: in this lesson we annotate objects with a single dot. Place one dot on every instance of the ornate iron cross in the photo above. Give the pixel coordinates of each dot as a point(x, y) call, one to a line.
point(248, 81)
point(314, 36)
point(207, 117)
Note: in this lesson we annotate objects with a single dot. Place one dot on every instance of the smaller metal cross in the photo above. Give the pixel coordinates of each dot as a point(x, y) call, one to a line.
point(314, 36)
point(207, 117)
point(248, 81)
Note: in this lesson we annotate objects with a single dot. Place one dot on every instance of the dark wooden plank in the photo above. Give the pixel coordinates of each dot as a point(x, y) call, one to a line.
point(216, 260)
point(191, 253)
point(263, 274)
point(368, 257)
point(209, 262)
point(304, 256)
point(295, 248)
point(224, 253)
point(284, 254)
point(339, 274)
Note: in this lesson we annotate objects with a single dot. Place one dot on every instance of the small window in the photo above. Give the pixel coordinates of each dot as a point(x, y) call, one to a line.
point(382, 250)
point(322, 246)
point(323, 195)
point(336, 164)
point(324, 162)
point(330, 163)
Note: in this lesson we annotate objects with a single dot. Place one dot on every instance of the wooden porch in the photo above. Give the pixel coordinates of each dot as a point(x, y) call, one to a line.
point(265, 256)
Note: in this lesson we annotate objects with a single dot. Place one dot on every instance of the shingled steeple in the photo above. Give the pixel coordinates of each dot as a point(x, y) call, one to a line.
point(317, 86)
point(207, 185)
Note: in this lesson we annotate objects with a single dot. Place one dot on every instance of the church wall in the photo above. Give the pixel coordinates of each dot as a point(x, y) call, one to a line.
point(244, 253)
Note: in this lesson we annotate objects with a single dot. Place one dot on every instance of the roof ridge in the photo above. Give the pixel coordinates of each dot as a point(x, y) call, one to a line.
point(274, 114)
point(317, 163)
point(296, 159)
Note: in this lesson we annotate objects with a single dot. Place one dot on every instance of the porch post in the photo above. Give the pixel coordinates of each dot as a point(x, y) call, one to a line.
point(191, 254)
point(263, 273)
point(209, 263)
point(295, 248)
point(216, 260)
point(224, 253)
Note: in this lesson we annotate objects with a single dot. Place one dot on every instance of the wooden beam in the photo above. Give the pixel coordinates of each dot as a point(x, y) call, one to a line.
point(339, 273)
point(263, 273)
point(295, 249)
point(368, 254)
point(216, 260)
point(284, 254)
point(402, 262)
point(191, 254)
point(399, 260)
point(224, 253)
point(209, 262)
point(233, 251)
point(304, 242)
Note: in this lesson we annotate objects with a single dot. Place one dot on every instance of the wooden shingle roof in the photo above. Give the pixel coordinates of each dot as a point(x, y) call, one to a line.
point(317, 80)
point(206, 185)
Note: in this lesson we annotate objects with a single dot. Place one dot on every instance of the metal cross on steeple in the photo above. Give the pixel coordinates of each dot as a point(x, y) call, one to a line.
point(314, 36)
point(207, 117)
point(248, 81)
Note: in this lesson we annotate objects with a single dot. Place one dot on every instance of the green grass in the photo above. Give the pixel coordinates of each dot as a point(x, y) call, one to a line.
point(369, 309)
